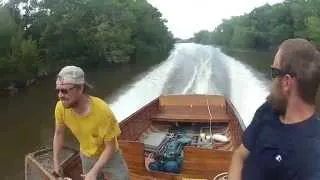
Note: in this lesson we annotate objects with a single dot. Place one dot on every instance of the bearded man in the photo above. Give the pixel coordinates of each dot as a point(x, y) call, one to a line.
point(282, 141)
point(94, 125)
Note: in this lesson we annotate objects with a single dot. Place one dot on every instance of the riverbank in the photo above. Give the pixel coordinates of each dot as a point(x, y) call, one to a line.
point(15, 87)
point(259, 60)
point(38, 44)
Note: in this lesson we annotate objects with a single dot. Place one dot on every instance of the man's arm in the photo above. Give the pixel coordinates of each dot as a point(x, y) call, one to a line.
point(148, 160)
point(238, 159)
point(103, 159)
point(58, 141)
point(248, 142)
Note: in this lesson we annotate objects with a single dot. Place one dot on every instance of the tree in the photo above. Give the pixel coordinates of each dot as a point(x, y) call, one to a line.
point(243, 37)
point(266, 26)
point(41, 36)
point(204, 37)
point(19, 58)
point(313, 31)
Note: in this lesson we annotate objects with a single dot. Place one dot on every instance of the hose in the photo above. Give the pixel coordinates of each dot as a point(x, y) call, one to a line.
point(223, 175)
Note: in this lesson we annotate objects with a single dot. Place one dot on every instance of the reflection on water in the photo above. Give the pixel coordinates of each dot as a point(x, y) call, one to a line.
point(259, 60)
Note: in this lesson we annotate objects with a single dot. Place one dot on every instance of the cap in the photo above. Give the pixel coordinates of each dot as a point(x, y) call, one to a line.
point(71, 75)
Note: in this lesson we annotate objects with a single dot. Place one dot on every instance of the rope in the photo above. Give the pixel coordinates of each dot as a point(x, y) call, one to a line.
point(223, 175)
point(210, 120)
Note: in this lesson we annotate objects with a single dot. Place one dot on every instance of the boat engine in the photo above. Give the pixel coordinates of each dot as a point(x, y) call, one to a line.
point(169, 156)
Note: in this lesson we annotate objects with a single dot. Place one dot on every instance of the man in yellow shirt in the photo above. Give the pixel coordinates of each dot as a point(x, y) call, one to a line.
point(92, 122)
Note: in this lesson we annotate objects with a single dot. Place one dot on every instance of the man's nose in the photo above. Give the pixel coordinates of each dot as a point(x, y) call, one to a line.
point(60, 94)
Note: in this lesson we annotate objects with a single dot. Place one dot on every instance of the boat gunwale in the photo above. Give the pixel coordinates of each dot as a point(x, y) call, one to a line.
point(236, 113)
point(126, 120)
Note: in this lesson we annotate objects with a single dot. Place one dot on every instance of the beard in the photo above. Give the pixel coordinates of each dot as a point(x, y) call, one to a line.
point(278, 101)
point(69, 105)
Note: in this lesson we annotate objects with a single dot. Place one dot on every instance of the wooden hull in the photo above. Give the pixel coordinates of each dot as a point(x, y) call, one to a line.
point(173, 110)
point(198, 163)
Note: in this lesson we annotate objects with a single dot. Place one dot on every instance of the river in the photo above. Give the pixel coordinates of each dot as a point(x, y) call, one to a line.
point(27, 118)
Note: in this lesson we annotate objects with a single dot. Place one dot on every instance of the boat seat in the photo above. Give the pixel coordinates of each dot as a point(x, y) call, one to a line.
point(191, 114)
point(188, 118)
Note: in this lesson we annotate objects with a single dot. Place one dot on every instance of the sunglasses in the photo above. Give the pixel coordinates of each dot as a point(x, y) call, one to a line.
point(64, 90)
point(275, 72)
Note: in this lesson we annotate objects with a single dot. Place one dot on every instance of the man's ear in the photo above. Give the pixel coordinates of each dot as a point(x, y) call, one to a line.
point(80, 88)
point(288, 83)
point(285, 83)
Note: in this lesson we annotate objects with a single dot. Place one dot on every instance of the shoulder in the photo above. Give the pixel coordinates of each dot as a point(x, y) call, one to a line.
point(59, 110)
point(265, 108)
point(100, 103)
point(263, 114)
point(311, 136)
point(316, 120)
point(315, 126)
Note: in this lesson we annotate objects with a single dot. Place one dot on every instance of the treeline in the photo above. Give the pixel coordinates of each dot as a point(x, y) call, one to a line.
point(266, 26)
point(38, 37)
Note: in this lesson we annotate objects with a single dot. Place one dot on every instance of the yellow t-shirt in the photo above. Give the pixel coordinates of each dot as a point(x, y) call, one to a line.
point(91, 130)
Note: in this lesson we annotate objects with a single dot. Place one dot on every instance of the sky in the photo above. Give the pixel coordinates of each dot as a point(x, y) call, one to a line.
point(186, 17)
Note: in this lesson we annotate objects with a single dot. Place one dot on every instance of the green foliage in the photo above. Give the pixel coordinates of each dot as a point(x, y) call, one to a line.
point(19, 58)
point(49, 34)
point(313, 28)
point(203, 37)
point(7, 29)
point(243, 37)
point(267, 26)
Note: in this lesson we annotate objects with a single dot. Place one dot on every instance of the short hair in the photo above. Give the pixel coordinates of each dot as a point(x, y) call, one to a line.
point(301, 58)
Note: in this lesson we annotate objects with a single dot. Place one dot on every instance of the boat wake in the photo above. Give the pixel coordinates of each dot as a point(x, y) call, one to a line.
point(195, 69)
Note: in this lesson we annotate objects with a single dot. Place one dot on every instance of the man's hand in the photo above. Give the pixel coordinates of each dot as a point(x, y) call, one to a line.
point(90, 176)
point(58, 141)
point(57, 171)
point(103, 159)
point(148, 161)
point(238, 158)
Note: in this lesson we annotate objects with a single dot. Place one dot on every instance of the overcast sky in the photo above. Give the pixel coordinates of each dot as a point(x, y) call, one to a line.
point(185, 17)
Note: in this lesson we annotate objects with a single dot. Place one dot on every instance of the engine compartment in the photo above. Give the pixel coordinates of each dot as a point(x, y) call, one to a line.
point(164, 142)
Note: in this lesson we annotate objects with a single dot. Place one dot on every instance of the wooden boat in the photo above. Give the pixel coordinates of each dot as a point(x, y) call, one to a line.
point(143, 132)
